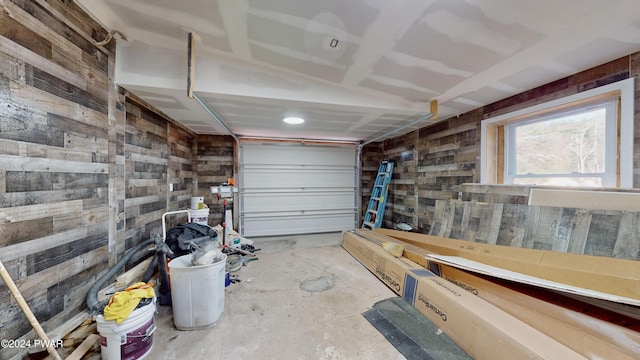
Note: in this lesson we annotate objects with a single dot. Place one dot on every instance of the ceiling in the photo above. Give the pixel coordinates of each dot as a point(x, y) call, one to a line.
point(354, 69)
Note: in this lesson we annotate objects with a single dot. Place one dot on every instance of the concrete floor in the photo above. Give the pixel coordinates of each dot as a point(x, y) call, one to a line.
point(303, 299)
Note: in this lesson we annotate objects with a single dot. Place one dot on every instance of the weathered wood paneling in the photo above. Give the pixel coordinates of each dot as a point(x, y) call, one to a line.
point(55, 146)
point(181, 166)
point(445, 156)
point(609, 233)
point(402, 199)
point(215, 165)
point(146, 152)
point(507, 194)
point(84, 166)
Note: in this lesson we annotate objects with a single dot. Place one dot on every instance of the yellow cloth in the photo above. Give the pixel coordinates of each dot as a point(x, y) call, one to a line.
point(124, 302)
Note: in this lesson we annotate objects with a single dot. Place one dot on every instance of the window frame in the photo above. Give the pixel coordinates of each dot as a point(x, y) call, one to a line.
point(608, 175)
point(493, 148)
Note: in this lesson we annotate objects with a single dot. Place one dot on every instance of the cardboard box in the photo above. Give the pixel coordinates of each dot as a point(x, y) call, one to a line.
point(587, 329)
point(613, 279)
point(481, 329)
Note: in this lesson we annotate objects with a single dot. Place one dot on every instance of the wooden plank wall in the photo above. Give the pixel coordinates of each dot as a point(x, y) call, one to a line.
point(84, 166)
point(403, 198)
point(447, 152)
point(146, 164)
point(506, 194)
point(58, 157)
point(182, 169)
point(215, 165)
point(157, 152)
point(161, 152)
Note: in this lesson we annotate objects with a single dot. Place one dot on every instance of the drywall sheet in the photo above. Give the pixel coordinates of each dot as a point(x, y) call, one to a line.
point(476, 267)
point(619, 277)
point(584, 199)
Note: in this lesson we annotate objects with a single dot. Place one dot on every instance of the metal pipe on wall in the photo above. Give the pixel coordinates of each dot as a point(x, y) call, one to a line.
point(215, 116)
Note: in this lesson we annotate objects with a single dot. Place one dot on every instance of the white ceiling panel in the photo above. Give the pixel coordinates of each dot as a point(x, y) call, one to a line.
point(354, 68)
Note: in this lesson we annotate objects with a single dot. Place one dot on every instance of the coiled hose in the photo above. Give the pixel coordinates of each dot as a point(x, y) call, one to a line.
point(95, 306)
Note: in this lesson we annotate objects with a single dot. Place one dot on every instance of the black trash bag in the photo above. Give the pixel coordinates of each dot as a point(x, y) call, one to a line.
point(179, 235)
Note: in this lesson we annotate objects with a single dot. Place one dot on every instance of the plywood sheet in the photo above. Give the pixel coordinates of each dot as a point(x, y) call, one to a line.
point(480, 268)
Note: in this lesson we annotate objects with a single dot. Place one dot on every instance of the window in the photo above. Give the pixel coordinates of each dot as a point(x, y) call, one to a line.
point(582, 140)
point(568, 148)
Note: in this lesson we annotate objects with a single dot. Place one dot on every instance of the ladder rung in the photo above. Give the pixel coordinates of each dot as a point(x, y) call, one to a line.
point(372, 211)
point(369, 224)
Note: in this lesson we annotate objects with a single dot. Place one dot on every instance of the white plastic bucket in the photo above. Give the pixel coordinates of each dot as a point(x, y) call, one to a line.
point(199, 216)
point(197, 202)
point(197, 292)
point(132, 339)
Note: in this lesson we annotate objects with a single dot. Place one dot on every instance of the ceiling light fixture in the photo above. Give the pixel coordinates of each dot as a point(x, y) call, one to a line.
point(293, 120)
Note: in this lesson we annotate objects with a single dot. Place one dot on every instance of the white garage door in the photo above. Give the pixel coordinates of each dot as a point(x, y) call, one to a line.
point(296, 188)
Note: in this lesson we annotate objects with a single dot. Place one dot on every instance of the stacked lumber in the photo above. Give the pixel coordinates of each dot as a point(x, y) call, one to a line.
point(83, 342)
point(589, 324)
point(74, 340)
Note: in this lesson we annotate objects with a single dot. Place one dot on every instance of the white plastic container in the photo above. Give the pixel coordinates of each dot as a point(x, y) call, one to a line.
point(132, 339)
point(197, 292)
point(197, 202)
point(199, 216)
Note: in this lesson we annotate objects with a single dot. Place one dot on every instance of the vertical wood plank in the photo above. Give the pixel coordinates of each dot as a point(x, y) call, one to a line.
point(603, 233)
point(563, 230)
point(578, 241)
point(626, 244)
point(495, 224)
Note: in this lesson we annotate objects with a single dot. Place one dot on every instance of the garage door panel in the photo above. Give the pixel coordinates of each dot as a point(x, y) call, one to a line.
point(299, 201)
point(287, 225)
point(264, 178)
point(296, 155)
point(297, 189)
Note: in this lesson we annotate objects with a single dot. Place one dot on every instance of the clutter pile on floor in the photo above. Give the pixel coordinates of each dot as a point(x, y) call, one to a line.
point(207, 245)
point(120, 320)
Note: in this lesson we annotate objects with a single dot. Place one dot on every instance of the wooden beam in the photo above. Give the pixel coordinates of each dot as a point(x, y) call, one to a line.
point(84, 347)
point(191, 66)
point(27, 312)
point(433, 104)
point(133, 274)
